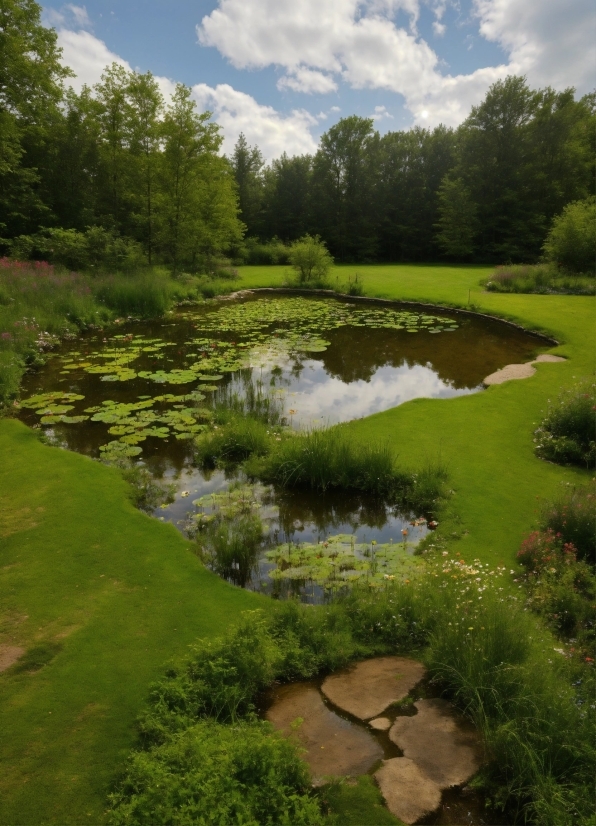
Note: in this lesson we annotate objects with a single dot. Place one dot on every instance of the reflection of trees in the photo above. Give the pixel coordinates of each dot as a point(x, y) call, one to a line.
point(328, 511)
point(462, 358)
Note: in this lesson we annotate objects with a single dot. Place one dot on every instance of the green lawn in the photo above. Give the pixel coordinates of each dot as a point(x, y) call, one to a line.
point(122, 593)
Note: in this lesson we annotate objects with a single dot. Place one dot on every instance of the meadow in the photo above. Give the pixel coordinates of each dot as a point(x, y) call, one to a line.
point(107, 595)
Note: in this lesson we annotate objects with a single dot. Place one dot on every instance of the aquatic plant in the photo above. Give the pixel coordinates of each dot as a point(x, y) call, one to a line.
point(230, 546)
point(238, 439)
point(323, 459)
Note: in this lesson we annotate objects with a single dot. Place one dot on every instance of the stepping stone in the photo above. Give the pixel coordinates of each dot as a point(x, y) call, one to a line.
point(380, 723)
point(368, 688)
point(408, 792)
point(511, 371)
point(334, 746)
point(441, 742)
point(548, 357)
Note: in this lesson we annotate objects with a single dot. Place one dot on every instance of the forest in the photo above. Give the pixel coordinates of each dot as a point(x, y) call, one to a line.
point(117, 177)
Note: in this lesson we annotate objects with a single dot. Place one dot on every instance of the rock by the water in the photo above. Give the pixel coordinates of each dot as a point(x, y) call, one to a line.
point(368, 688)
point(440, 741)
point(333, 746)
point(408, 792)
point(380, 723)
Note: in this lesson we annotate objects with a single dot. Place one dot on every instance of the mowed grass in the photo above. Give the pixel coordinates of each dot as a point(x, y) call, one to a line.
point(119, 591)
point(486, 439)
point(122, 593)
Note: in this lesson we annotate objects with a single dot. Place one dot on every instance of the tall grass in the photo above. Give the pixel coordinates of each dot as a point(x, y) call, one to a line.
point(324, 459)
point(146, 294)
point(232, 443)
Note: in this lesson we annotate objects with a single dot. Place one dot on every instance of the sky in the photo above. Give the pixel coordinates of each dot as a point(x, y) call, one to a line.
point(284, 71)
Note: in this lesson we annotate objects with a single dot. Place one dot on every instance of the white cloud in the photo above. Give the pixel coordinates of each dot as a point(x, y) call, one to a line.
point(359, 41)
point(262, 125)
point(80, 15)
point(380, 113)
point(88, 56)
point(307, 80)
point(553, 42)
point(439, 28)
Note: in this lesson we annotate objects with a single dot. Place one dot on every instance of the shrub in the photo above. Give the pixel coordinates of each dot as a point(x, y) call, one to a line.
point(310, 260)
point(266, 252)
point(567, 434)
point(96, 248)
point(538, 278)
point(572, 518)
point(571, 242)
point(217, 774)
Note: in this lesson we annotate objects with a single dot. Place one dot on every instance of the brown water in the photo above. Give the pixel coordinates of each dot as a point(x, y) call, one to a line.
point(316, 375)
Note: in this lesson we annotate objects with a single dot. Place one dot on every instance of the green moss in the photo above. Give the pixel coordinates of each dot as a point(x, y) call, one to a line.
point(356, 805)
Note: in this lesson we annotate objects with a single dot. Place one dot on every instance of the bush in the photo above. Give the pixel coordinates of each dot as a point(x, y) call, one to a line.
point(572, 518)
point(567, 434)
point(543, 279)
point(217, 774)
point(310, 260)
point(268, 252)
point(571, 242)
point(96, 248)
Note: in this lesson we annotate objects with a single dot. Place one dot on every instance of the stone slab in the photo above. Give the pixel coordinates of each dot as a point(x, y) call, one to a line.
point(408, 792)
point(441, 742)
point(369, 687)
point(380, 723)
point(334, 746)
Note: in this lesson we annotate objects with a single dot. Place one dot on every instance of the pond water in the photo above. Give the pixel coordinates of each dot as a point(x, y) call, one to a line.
point(145, 390)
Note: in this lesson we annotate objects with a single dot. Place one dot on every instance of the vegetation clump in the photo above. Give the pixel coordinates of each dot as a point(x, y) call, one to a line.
point(571, 241)
point(567, 434)
point(543, 279)
point(311, 261)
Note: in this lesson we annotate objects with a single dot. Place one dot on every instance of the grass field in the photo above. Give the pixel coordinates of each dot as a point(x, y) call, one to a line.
point(121, 593)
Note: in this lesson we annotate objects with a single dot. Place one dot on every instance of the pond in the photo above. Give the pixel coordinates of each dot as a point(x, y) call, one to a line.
point(146, 390)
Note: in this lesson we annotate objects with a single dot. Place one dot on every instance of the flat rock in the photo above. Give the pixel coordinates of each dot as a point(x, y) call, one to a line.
point(380, 723)
point(440, 741)
point(333, 746)
point(547, 357)
point(9, 654)
point(511, 371)
point(408, 792)
point(369, 687)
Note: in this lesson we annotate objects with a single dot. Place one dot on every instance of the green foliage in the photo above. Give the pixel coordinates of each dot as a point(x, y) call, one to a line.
point(271, 252)
point(235, 441)
point(145, 295)
point(310, 260)
point(572, 517)
point(457, 223)
point(230, 547)
point(216, 774)
point(356, 804)
point(571, 241)
point(567, 434)
point(96, 248)
point(545, 279)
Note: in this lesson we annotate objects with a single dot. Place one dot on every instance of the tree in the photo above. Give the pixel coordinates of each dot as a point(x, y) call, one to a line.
point(343, 188)
point(571, 241)
point(310, 259)
point(143, 128)
point(457, 223)
point(31, 77)
point(247, 163)
point(197, 207)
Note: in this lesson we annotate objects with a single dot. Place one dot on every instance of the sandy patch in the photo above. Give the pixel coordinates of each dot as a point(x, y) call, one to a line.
point(9, 654)
point(520, 371)
point(549, 358)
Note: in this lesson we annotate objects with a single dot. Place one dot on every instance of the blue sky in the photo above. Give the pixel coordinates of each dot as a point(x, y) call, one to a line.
point(283, 71)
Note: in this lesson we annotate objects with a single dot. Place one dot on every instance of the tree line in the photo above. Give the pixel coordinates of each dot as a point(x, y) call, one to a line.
point(115, 175)
point(487, 190)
